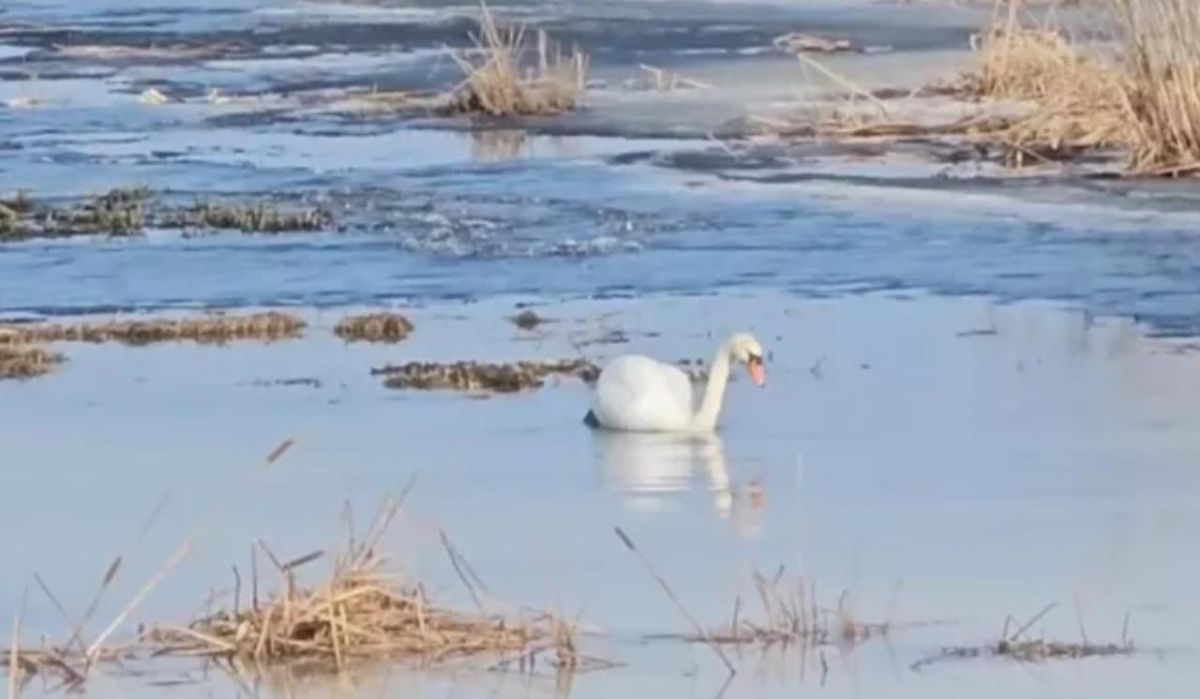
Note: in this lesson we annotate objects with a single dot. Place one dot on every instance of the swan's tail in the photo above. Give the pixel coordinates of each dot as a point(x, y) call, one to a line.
point(590, 419)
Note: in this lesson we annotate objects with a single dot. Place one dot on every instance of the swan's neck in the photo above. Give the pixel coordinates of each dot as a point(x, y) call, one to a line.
point(709, 411)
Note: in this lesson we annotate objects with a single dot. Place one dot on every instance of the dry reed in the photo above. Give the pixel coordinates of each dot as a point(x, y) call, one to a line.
point(1051, 96)
point(360, 613)
point(374, 327)
point(209, 329)
point(24, 361)
point(483, 376)
point(1162, 90)
point(503, 83)
point(1141, 95)
point(791, 615)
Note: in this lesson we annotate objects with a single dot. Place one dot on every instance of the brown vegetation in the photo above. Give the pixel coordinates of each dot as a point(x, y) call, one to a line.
point(502, 83)
point(483, 376)
point(374, 327)
point(24, 361)
point(208, 329)
point(1046, 95)
point(359, 614)
point(1141, 95)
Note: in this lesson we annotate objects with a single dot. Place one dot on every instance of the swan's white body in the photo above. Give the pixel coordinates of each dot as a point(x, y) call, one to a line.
point(638, 394)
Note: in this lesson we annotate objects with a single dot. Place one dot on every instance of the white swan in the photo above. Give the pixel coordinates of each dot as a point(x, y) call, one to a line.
point(639, 394)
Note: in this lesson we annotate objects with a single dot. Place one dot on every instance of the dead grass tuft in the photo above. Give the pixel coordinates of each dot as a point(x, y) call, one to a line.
point(501, 82)
point(209, 329)
point(23, 361)
point(1078, 93)
point(483, 376)
point(790, 615)
point(374, 327)
point(360, 613)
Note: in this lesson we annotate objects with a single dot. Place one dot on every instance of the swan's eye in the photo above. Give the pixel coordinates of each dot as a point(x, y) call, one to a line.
point(754, 359)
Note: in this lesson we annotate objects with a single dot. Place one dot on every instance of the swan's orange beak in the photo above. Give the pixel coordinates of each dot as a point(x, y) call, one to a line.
point(755, 367)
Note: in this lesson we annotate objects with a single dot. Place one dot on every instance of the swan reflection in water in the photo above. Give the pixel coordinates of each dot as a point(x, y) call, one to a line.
point(649, 465)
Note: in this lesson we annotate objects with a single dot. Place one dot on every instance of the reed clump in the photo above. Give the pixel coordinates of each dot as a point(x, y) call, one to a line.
point(1162, 58)
point(490, 377)
point(1140, 95)
point(360, 613)
point(25, 361)
point(791, 615)
point(1078, 93)
point(502, 82)
point(208, 329)
point(384, 326)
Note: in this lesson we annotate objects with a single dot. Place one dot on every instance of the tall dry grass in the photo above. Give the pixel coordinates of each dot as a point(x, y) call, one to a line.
point(1139, 93)
point(504, 81)
point(1162, 56)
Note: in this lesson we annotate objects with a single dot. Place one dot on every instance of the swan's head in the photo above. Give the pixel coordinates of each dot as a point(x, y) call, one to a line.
point(745, 348)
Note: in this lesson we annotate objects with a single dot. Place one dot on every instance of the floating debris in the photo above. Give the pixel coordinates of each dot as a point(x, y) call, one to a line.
point(21, 361)
point(306, 381)
point(210, 329)
point(374, 327)
point(483, 376)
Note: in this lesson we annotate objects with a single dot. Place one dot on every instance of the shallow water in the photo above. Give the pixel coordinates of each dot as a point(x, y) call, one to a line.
point(948, 461)
point(972, 410)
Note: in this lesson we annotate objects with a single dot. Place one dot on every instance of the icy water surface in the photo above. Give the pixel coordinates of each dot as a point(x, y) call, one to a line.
point(982, 393)
point(946, 462)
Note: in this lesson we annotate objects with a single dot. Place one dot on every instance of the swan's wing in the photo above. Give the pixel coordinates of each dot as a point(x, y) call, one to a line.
point(639, 393)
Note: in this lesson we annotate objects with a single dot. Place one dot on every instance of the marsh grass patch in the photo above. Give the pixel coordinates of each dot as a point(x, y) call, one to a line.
point(359, 613)
point(385, 326)
point(501, 80)
point(26, 361)
point(214, 329)
point(508, 377)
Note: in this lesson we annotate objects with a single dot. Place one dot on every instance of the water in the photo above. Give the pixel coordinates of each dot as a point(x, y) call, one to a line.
point(981, 389)
point(946, 461)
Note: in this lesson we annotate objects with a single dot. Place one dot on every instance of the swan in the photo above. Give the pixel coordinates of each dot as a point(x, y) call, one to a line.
point(635, 393)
